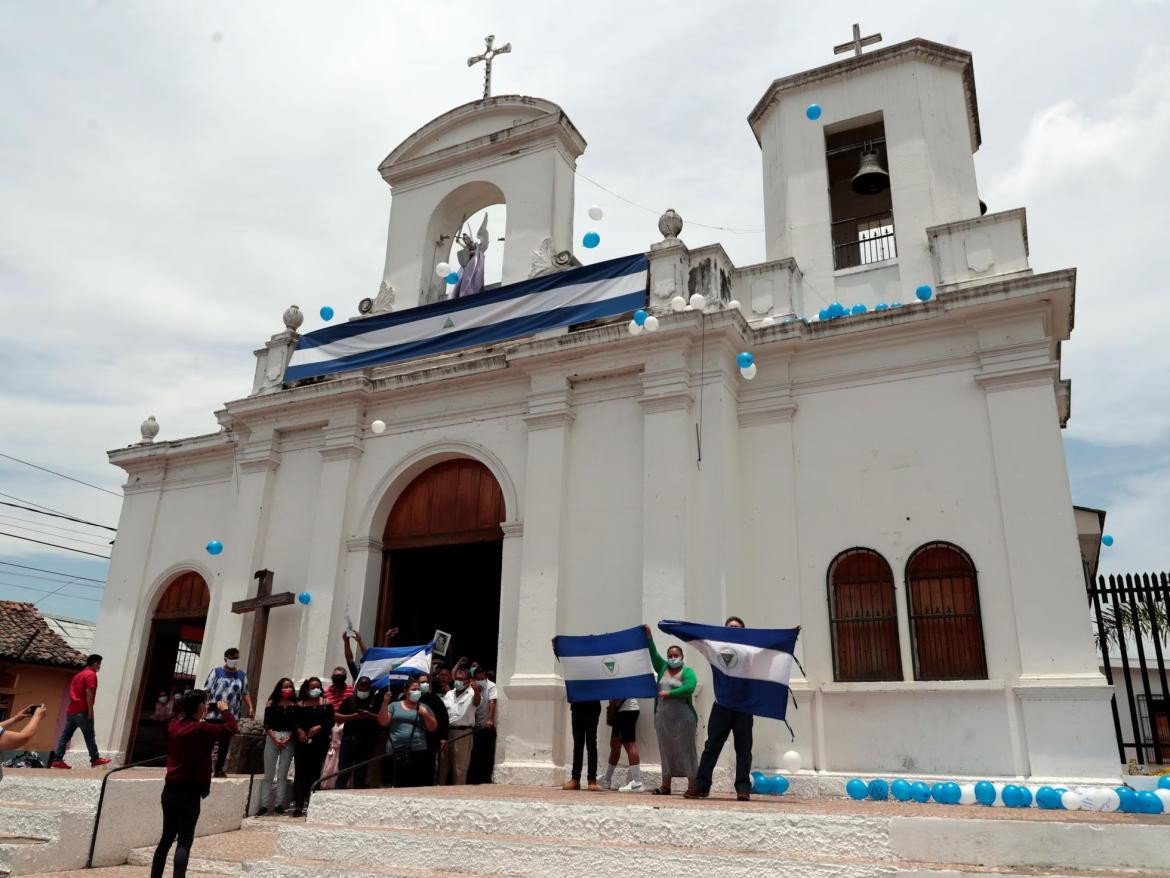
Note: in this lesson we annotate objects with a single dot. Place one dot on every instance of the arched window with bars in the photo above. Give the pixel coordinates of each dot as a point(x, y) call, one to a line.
point(946, 626)
point(863, 617)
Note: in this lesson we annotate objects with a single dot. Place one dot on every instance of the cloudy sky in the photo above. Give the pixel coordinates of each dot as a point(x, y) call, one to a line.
point(175, 174)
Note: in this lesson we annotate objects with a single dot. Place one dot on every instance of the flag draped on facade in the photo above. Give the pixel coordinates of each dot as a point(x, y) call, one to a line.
point(597, 667)
point(750, 666)
point(383, 664)
point(591, 292)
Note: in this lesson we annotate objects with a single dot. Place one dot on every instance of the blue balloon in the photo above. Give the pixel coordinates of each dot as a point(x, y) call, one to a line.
point(813, 111)
point(838, 309)
point(985, 792)
point(304, 597)
point(1107, 539)
point(214, 547)
point(1164, 782)
point(640, 316)
point(1011, 796)
point(953, 793)
point(824, 315)
point(920, 791)
point(779, 785)
point(1025, 797)
point(763, 785)
point(758, 782)
point(879, 790)
point(1148, 803)
point(924, 292)
point(326, 313)
point(1047, 798)
point(881, 306)
point(859, 308)
point(1128, 799)
point(900, 790)
point(591, 240)
point(452, 278)
point(857, 789)
point(745, 359)
point(896, 305)
point(938, 792)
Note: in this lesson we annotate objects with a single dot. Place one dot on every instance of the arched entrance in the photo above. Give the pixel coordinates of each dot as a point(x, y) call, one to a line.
point(441, 560)
point(172, 655)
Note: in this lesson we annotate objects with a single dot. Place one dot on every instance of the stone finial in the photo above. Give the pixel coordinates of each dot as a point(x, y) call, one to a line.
point(293, 318)
point(670, 224)
point(149, 430)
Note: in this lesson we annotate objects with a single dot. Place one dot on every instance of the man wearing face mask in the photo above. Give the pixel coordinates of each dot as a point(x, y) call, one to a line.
point(461, 703)
point(359, 734)
point(228, 684)
point(483, 752)
point(437, 739)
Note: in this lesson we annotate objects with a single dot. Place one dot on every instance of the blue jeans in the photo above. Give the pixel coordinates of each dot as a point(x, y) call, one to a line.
point(73, 722)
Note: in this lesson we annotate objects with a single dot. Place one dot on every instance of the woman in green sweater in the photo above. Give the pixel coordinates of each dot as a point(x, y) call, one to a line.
point(675, 719)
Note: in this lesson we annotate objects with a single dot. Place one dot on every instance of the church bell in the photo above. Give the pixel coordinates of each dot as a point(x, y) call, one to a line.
point(871, 178)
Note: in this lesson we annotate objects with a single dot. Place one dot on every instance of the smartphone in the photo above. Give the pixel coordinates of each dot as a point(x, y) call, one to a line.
point(32, 709)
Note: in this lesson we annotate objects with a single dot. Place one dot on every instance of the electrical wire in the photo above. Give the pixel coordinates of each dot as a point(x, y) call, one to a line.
point(60, 475)
point(57, 515)
point(59, 532)
point(54, 545)
point(652, 210)
point(48, 593)
point(54, 572)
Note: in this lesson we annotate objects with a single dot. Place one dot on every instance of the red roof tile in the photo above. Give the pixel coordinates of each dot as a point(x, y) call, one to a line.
point(25, 637)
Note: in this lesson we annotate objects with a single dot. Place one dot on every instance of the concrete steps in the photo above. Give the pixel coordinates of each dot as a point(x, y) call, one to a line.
point(223, 854)
point(35, 837)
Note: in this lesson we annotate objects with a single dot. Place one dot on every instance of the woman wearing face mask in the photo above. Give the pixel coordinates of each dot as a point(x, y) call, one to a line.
point(279, 744)
point(314, 721)
point(675, 719)
point(408, 721)
point(433, 702)
point(359, 713)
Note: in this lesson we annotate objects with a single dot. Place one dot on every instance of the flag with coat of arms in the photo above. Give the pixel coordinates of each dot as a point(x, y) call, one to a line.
point(599, 667)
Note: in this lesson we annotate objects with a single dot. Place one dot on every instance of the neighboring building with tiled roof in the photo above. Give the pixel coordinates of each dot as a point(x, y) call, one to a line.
point(26, 638)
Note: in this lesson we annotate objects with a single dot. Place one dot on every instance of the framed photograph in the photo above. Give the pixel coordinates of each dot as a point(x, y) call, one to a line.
point(442, 642)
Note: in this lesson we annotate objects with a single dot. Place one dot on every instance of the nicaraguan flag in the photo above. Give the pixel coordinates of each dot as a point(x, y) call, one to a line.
point(598, 667)
point(383, 664)
point(751, 666)
point(590, 292)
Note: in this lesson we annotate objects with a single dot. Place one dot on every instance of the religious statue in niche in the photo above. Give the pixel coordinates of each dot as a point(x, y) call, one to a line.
point(471, 259)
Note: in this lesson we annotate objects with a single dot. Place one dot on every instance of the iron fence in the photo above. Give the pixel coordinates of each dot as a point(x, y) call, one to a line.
point(864, 240)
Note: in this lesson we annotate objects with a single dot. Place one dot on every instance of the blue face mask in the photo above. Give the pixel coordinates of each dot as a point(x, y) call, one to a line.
point(459, 685)
point(415, 694)
point(314, 693)
point(424, 688)
point(675, 663)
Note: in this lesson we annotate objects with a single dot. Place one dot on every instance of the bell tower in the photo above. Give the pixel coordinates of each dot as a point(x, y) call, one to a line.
point(860, 158)
point(512, 150)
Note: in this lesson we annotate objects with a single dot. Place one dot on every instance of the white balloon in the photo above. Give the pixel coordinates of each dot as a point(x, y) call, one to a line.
point(596, 213)
point(1112, 801)
point(688, 307)
point(749, 373)
point(678, 303)
point(378, 426)
point(791, 759)
point(443, 269)
point(651, 324)
point(734, 305)
point(767, 321)
point(634, 328)
point(1164, 795)
point(998, 795)
point(698, 301)
point(966, 794)
point(1097, 798)
point(1070, 801)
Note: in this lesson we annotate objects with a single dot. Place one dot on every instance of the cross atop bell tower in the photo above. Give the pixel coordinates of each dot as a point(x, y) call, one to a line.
point(857, 42)
point(487, 56)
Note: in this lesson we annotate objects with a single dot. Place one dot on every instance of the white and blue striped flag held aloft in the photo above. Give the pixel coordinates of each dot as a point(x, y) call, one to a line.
point(597, 667)
point(383, 664)
point(591, 292)
point(750, 666)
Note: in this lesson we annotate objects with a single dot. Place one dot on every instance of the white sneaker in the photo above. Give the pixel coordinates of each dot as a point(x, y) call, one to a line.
point(603, 784)
point(634, 786)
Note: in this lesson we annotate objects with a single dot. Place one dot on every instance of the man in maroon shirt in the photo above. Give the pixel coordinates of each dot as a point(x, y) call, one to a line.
point(188, 775)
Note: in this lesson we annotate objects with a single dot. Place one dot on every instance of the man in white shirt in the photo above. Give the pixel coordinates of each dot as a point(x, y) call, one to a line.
point(483, 754)
point(461, 703)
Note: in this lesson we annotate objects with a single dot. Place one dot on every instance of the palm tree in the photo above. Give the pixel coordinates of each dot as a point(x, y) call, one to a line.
point(1138, 622)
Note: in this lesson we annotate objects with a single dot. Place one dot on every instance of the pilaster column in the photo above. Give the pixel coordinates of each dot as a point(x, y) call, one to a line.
point(323, 580)
point(359, 593)
point(535, 690)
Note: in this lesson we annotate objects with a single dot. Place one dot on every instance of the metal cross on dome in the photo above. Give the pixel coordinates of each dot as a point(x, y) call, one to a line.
point(857, 42)
point(487, 56)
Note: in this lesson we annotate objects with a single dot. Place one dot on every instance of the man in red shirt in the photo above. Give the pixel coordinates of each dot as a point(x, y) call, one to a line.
point(188, 777)
point(79, 715)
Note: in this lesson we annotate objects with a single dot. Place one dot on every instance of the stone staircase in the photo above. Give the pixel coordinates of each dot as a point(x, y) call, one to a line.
point(541, 833)
point(45, 823)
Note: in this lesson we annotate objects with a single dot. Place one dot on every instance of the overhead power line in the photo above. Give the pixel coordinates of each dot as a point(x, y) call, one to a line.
point(60, 475)
point(47, 593)
point(54, 545)
point(55, 532)
point(30, 502)
point(57, 515)
point(54, 572)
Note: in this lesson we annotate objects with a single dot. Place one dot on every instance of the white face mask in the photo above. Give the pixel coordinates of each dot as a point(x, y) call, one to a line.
point(231, 663)
point(162, 699)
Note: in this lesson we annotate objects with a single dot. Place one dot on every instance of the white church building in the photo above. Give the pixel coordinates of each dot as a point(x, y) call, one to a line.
point(891, 481)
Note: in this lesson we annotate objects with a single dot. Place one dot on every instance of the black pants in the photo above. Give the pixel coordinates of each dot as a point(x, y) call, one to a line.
point(724, 722)
point(483, 756)
point(308, 759)
point(357, 748)
point(409, 769)
point(585, 715)
point(180, 807)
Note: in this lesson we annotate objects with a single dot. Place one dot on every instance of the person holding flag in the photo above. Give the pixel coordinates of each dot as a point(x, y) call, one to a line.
point(675, 718)
point(750, 669)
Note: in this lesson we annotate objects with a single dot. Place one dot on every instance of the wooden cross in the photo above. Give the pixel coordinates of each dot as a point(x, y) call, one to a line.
point(264, 601)
point(857, 42)
point(486, 57)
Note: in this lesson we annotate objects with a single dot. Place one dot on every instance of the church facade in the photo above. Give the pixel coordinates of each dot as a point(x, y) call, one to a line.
point(892, 481)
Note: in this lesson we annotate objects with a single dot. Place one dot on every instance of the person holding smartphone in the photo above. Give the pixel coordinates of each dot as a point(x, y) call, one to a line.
point(13, 739)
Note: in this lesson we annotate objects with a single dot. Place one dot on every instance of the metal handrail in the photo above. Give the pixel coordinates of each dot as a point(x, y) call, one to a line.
point(316, 787)
point(97, 818)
